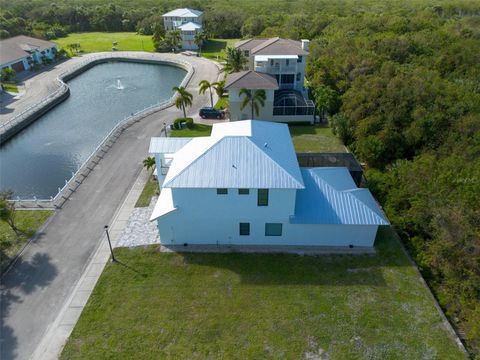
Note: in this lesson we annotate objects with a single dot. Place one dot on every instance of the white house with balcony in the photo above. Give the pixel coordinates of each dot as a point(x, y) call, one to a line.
point(188, 21)
point(281, 63)
point(242, 185)
point(21, 52)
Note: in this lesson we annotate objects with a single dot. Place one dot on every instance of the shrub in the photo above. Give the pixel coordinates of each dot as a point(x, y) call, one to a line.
point(7, 74)
point(188, 121)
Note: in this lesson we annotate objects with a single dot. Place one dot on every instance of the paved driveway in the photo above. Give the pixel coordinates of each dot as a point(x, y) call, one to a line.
point(36, 288)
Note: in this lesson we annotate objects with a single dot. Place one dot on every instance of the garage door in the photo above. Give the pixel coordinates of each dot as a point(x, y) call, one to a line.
point(18, 67)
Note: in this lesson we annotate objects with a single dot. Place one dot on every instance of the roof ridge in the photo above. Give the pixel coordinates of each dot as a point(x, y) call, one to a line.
point(275, 162)
point(354, 198)
point(266, 43)
point(217, 140)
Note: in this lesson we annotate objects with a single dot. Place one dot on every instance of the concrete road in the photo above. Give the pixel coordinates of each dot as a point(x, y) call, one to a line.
point(37, 286)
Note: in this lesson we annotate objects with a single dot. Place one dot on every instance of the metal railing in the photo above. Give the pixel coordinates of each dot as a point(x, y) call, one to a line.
point(293, 110)
point(87, 166)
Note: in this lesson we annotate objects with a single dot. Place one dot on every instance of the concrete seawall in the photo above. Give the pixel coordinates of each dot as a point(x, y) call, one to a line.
point(22, 121)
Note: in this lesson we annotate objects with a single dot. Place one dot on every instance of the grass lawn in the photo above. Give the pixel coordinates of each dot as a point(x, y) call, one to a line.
point(150, 189)
point(10, 87)
point(260, 306)
point(215, 48)
point(198, 130)
point(102, 41)
point(318, 138)
point(28, 221)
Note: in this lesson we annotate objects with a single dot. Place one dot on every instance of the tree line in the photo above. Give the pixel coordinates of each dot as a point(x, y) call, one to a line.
point(399, 84)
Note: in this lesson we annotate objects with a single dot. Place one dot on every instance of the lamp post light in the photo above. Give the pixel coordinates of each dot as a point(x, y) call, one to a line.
point(109, 243)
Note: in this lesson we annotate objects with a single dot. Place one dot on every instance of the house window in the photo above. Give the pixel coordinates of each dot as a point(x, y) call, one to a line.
point(273, 229)
point(262, 199)
point(299, 60)
point(245, 52)
point(243, 191)
point(244, 229)
point(288, 62)
point(298, 76)
point(271, 62)
point(222, 191)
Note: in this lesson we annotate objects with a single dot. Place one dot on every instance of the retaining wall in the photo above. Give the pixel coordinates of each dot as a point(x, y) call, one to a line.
point(109, 140)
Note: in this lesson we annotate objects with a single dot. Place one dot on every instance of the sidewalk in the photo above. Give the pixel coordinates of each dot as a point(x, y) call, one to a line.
point(54, 340)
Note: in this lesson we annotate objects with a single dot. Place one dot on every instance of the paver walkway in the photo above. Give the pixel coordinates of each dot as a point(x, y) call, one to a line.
point(38, 286)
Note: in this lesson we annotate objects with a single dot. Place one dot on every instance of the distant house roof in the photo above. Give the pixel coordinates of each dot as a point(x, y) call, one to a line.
point(331, 197)
point(251, 80)
point(165, 145)
point(18, 47)
point(273, 46)
point(184, 13)
point(243, 154)
point(190, 26)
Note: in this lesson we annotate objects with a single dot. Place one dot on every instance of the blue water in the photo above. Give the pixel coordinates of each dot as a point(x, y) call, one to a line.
point(38, 160)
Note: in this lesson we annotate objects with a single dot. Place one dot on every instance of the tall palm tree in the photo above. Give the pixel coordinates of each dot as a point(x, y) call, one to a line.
point(199, 39)
point(174, 38)
point(219, 87)
point(184, 99)
point(235, 60)
point(255, 98)
point(204, 85)
point(149, 162)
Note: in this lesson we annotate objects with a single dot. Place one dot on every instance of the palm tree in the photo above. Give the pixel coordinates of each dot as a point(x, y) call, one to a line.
point(149, 162)
point(174, 38)
point(204, 85)
point(199, 39)
point(235, 61)
point(219, 87)
point(254, 98)
point(183, 99)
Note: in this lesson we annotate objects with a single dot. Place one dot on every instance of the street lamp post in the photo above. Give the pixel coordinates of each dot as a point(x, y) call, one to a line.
point(109, 243)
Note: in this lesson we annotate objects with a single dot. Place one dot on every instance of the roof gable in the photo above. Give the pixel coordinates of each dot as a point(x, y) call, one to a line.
point(279, 46)
point(251, 80)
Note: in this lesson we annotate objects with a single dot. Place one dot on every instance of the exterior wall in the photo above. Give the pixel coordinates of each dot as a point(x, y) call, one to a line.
point(281, 203)
point(172, 22)
point(283, 67)
point(36, 58)
point(265, 112)
point(177, 229)
point(188, 40)
point(235, 101)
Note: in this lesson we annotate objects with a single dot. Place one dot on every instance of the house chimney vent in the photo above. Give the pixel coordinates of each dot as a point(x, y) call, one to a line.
point(305, 44)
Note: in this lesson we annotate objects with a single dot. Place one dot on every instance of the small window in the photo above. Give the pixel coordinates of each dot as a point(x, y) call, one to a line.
point(244, 229)
point(288, 62)
point(222, 191)
point(245, 52)
point(298, 76)
point(273, 229)
point(299, 60)
point(262, 199)
point(271, 62)
point(243, 191)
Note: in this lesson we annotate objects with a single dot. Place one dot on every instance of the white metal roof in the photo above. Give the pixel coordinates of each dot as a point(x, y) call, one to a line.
point(164, 204)
point(243, 154)
point(190, 26)
point(162, 145)
point(267, 57)
point(326, 200)
point(185, 12)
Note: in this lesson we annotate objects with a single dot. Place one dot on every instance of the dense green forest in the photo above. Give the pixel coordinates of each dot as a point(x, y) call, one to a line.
point(400, 81)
